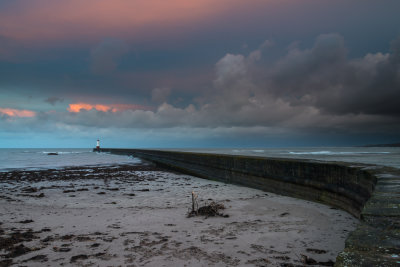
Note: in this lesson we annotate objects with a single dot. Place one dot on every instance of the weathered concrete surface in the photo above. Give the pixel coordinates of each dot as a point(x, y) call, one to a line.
point(368, 192)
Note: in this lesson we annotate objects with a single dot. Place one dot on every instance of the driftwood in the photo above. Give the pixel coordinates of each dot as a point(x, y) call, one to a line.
point(211, 209)
point(208, 210)
point(195, 205)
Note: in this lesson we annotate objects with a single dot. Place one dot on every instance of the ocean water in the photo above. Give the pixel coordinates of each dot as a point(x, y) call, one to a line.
point(386, 156)
point(33, 159)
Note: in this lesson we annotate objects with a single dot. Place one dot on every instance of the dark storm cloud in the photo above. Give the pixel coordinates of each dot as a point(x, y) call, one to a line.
point(325, 78)
point(317, 88)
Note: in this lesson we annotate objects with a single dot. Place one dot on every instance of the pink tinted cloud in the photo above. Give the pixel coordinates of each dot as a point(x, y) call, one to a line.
point(17, 112)
point(78, 107)
point(46, 20)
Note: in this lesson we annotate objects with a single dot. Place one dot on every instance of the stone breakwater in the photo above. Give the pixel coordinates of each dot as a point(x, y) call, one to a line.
point(371, 193)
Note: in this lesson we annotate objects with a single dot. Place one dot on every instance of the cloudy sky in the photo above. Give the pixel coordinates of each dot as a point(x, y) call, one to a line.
point(200, 73)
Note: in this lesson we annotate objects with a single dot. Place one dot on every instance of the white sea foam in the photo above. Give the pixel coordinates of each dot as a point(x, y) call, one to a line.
point(387, 156)
point(64, 152)
point(335, 153)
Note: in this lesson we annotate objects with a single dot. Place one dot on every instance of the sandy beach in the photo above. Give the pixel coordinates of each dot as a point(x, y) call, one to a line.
point(136, 215)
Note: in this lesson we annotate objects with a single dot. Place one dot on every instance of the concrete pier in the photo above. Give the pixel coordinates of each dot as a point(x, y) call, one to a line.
point(371, 193)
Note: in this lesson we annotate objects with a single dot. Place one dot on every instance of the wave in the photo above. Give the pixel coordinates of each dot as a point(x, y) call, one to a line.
point(63, 152)
point(334, 153)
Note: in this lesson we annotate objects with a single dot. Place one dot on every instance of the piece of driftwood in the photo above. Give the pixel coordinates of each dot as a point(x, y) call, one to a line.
point(195, 205)
point(208, 210)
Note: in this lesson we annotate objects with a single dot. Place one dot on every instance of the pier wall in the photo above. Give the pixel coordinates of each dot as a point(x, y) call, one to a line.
point(366, 192)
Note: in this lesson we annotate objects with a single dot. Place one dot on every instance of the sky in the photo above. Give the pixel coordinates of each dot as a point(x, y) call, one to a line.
point(178, 73)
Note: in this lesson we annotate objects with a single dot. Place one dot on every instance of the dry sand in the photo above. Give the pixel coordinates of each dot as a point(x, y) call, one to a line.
point(136, 216)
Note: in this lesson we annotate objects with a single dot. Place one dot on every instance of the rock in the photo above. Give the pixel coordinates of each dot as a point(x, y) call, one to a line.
point(18, 251)
point(310, 261)
point(6, 263)
point(41, 258)
point(68, 191)
point(316, 251)
point(29, 190)
point(307, 260)
point(67, 237)
point(112, 189)
point(47, 239)
point(78, 257)
point(26, 221)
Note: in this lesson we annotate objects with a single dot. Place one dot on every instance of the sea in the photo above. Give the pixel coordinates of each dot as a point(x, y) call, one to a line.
point(385, 156)
point(39, 159)
point(35, 159)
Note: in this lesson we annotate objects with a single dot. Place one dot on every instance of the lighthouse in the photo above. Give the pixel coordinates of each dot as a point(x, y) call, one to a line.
point(98, 145)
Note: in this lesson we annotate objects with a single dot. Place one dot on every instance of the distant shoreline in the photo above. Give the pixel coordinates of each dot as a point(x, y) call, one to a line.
point(383, 145)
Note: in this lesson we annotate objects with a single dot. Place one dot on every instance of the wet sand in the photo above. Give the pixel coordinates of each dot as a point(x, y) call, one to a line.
point(136, 215)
